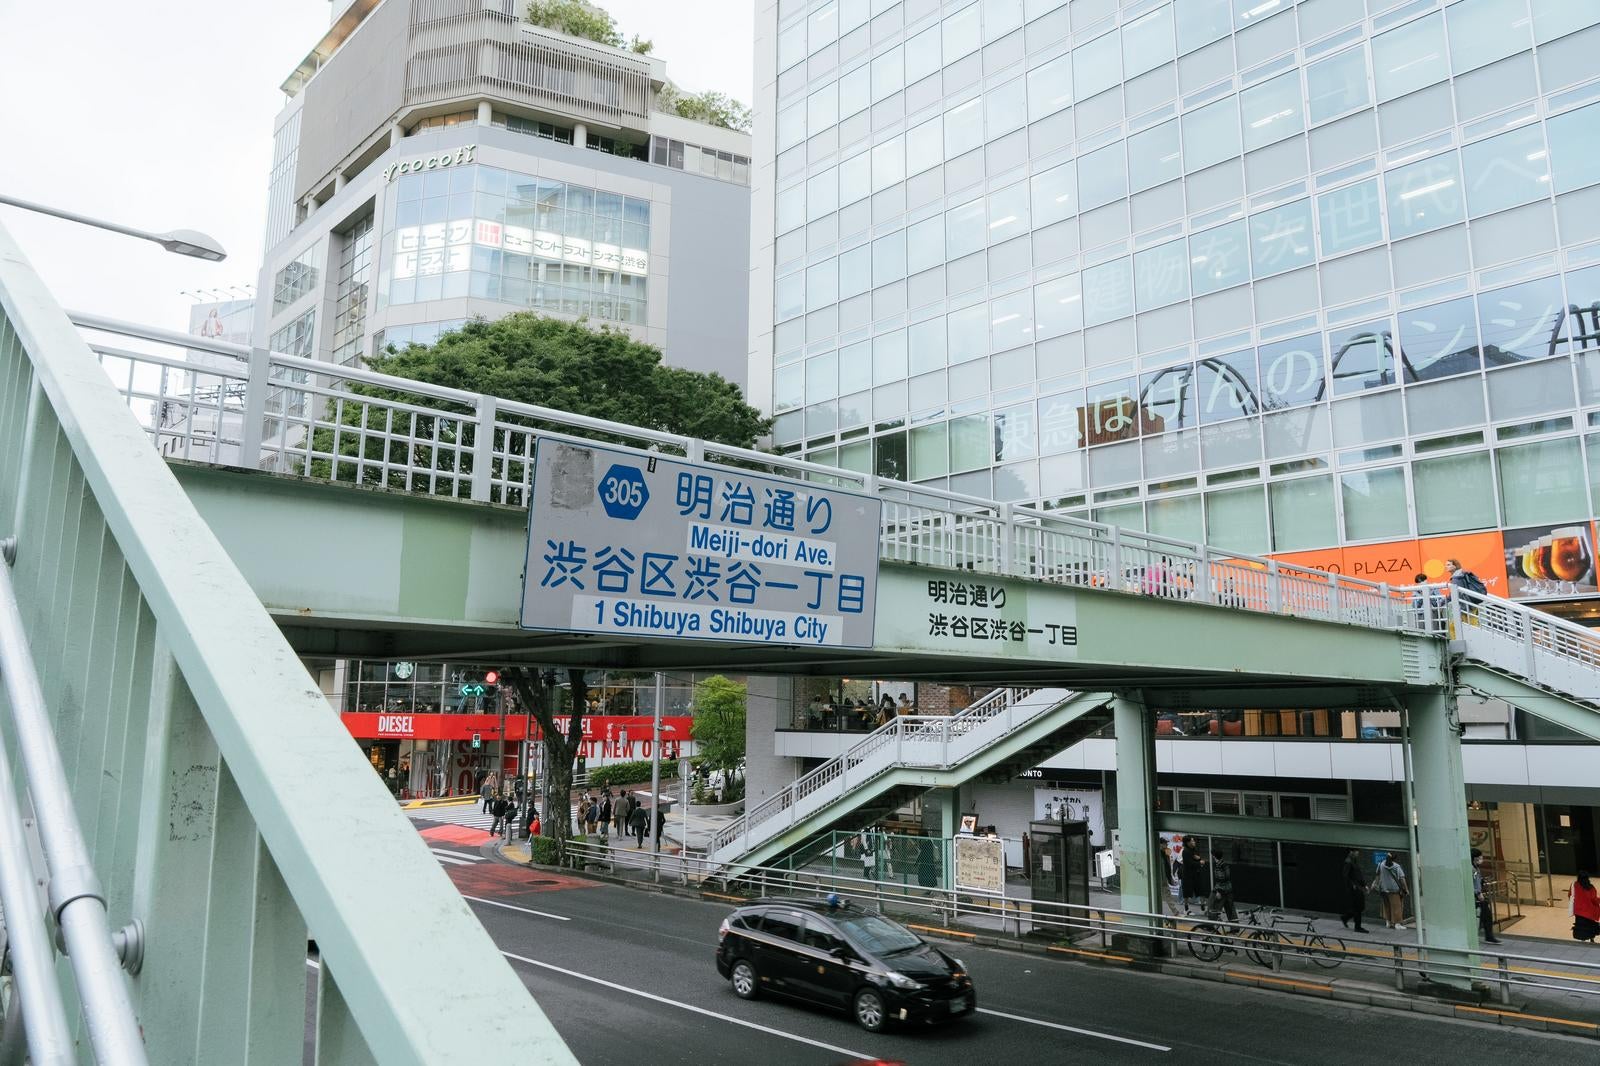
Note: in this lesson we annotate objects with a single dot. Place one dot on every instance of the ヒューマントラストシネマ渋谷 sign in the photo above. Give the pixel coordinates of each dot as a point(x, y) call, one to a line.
point(633, 544)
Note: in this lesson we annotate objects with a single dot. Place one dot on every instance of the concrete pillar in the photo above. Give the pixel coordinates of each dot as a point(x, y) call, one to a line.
point(1142, 882)
point(580, 135)
point(485, 113)
point(1447, 917)
point(770, 701)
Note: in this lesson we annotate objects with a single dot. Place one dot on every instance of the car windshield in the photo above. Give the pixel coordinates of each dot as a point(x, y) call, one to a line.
point(878, 935)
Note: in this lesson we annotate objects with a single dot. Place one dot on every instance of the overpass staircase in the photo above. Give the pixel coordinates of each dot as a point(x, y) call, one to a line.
point(1007, 731)
point(1541, 664)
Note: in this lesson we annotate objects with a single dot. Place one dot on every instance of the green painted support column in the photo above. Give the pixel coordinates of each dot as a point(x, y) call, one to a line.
point(1447, 918)
point(1142, 883)
point(949, 800)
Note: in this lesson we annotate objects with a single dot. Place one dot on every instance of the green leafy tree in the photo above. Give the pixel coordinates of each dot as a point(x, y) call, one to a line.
point(713, 107)
point(575, 18)
point(718, 727)
point(526, 358)
point(545, 701)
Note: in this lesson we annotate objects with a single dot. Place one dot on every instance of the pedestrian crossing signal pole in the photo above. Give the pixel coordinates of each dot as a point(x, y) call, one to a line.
point(655, 777)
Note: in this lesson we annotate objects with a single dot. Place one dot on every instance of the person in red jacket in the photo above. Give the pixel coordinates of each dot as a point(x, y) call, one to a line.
point(1585, 907)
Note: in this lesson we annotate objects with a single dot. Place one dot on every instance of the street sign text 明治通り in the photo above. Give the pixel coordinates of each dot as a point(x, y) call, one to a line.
point(642, 545)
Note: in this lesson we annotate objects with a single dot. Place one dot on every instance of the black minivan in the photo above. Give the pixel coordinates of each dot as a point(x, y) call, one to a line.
point(837, 954)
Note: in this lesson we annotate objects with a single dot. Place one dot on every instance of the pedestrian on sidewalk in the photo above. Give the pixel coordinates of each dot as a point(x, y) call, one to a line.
point(498, 807)
point(661, 821)
point(1484, 900)
point(638, 823)
point(869, 860)
point(1583, 903)
point(1393, 890)
point(1196, 878)
point(605, 815)
point(1221, 887)
point(620, 811)
point(486, 790)
point(1355, 888)
point(584, 813)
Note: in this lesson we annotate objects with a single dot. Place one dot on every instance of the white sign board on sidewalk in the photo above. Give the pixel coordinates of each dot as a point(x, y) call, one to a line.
point(980, 864)
point(632, 544)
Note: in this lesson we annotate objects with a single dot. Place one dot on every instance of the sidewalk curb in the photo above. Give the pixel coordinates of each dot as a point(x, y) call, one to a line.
point(1336, 990)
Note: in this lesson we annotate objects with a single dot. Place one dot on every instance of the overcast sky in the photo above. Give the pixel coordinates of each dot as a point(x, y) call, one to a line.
point(159, 115)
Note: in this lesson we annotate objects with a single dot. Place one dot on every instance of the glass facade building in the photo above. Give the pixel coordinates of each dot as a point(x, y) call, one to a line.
point(1316, 279)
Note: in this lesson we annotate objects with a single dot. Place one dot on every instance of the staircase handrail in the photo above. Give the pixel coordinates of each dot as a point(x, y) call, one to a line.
point(980, 710)
point(1536, 630)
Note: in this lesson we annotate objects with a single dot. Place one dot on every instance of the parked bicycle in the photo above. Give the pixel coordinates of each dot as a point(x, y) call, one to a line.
point(1263, 942)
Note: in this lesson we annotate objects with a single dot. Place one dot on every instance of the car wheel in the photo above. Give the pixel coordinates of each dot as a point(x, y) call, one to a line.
point(746, 985)
point(870, 1012)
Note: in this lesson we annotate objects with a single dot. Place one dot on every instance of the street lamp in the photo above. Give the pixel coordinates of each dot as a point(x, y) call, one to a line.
point(188, 242)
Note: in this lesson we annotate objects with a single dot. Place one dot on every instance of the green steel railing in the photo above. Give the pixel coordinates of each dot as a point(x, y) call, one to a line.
point(224, 812)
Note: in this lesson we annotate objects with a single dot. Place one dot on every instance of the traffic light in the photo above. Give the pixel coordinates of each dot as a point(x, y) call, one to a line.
point(492, 677)
point(477, 740)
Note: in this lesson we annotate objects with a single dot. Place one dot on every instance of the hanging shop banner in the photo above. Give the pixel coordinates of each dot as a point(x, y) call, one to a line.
point(1398, 562)
point(604, 736)
point(980, 864)
point(630, 544)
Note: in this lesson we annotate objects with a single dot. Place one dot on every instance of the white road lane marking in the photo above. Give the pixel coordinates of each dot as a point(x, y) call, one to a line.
point(690, 1007)
point(1073, 1029)
point(511, 907)
point(452, 858)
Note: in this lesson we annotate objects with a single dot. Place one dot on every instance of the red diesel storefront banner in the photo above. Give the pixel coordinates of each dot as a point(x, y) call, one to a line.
point(607, 736)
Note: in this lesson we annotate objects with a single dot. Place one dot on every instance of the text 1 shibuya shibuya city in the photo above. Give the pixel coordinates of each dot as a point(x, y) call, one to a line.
point(627, 543)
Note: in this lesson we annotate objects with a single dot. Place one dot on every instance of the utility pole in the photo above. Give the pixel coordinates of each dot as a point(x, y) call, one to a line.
point(655, 775)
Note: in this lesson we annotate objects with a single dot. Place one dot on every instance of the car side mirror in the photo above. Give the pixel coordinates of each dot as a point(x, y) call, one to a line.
point(842, 953)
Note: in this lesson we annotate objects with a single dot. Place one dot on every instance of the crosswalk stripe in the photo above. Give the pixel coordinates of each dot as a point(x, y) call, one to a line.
point(455, 857)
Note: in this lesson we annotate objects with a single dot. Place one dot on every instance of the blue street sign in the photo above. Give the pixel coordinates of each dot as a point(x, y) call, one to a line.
point(623, 492)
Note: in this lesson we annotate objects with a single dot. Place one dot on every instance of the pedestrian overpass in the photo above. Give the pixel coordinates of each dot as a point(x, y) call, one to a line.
point(307, 509)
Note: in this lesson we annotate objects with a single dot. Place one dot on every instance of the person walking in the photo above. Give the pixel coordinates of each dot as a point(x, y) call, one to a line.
point(1221, 887)
point(486, 790)
point(583, 815)
point(1355, 887)
point(1461, 578)
point(605, 815)
point(1393, 890)
point(1483, 898)
point(869, 860)
point(927, 864)
point(638, 824)
point(1196, 878)
point(661, 821)
point(1583, 903)
point(497, 807)
point(620, 811)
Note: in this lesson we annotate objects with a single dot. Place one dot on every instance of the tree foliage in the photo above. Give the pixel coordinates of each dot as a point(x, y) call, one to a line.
point(529, 359)
point(718, 728)
point(576, 18)
point(539, 695)
point(712, 107)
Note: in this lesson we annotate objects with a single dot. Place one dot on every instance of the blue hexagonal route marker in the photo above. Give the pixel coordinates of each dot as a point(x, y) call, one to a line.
point(623, 492)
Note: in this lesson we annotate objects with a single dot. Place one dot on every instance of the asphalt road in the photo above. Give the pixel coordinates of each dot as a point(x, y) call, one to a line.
point(628, 979)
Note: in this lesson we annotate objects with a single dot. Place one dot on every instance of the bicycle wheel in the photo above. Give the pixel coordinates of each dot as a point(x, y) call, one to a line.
point(1325, 951)
point(1262, 944)
point(1206, 943)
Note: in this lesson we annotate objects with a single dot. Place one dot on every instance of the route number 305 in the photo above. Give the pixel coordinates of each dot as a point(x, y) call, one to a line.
point(623, 492)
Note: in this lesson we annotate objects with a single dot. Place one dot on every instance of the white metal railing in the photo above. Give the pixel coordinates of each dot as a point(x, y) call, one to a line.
point(1531, 644)
point(928, 741)
point(199, 762)
point(1406, 965)
point(228, 404)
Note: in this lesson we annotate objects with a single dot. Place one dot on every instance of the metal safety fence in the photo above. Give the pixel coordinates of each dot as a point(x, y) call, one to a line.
point(169, 770)
point(209, 401)
point(1267, 938)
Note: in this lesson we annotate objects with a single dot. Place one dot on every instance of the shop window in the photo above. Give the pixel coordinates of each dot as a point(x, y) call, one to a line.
point(1542, 482)
point(1375, 504)
point(1454, 493)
